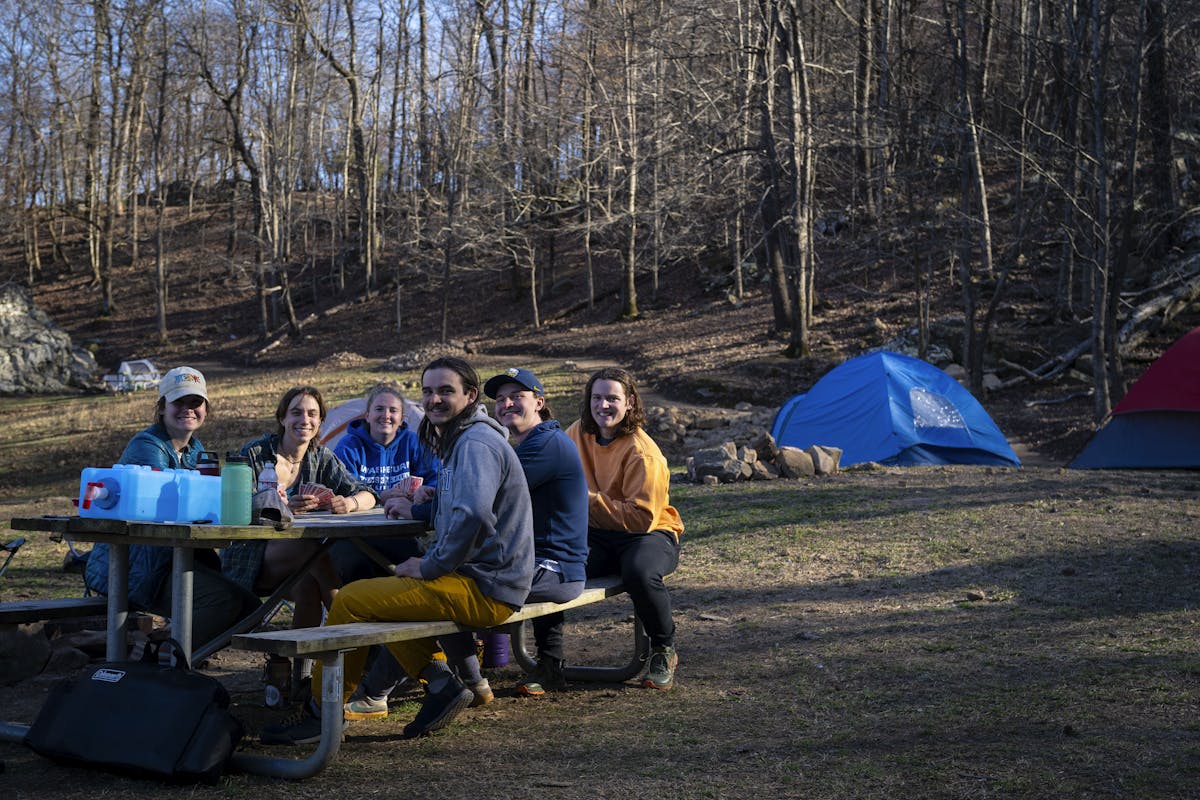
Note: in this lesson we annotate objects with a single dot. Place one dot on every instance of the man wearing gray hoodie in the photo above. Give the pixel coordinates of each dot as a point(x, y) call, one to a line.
point(476, 572)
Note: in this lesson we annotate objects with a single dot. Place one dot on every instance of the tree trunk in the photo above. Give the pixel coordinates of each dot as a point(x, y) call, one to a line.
point(629, 306)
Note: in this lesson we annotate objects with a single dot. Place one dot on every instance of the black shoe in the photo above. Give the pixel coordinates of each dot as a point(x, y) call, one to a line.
point(301, 727)
point(439, 709)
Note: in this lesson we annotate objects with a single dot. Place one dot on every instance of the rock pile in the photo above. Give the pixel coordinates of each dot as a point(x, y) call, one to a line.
point(723, 446)
point(36, 356)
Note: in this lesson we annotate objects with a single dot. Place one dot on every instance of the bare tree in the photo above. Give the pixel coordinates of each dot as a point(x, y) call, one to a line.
point(346, 66)
point(227, 75)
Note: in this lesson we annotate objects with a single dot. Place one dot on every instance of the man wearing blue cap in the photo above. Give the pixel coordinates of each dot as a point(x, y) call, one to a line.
point(558, 490)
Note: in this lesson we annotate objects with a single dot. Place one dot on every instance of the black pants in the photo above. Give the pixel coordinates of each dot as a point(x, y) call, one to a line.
point(641, 559)
point(353, 564)
point(217, 603)
point(549, 587)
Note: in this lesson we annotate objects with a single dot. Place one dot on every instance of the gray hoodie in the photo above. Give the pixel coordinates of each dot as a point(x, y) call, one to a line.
point(483, 526)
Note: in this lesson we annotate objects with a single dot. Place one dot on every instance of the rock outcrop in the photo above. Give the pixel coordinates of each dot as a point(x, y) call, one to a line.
point(36, 356)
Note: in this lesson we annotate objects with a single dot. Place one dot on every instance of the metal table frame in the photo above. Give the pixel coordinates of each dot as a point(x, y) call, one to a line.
point(184, 538)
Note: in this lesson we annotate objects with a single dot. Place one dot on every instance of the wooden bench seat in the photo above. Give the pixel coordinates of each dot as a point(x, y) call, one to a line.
point(310, 642)
point(20, 612)
point(329, 642)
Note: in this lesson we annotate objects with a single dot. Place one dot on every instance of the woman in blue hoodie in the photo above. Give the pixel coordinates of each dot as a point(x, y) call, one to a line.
point(381, 451)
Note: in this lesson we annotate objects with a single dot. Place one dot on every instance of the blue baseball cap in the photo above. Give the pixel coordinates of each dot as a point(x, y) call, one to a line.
point(522, 377)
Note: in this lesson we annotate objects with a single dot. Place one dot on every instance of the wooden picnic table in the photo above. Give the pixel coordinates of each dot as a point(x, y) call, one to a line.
point(184, 538)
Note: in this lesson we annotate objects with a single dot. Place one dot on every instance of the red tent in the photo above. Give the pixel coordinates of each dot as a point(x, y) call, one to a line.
point(1157, 423)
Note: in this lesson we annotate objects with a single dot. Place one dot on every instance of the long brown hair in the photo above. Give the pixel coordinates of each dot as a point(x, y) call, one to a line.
point(634, 418)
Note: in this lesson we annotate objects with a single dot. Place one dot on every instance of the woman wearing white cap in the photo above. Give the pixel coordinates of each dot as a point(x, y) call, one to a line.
point(171, 443)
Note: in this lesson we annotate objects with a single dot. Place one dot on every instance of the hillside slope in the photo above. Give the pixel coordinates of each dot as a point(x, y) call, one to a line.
point(693, 342)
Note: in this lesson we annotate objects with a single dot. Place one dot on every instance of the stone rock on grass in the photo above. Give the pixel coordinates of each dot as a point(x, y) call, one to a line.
point(720, 462)
point(24, 651)
point(795, 463)
point(825, 459)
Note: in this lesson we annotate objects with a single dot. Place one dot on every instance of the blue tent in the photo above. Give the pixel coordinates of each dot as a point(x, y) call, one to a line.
point(895, 410)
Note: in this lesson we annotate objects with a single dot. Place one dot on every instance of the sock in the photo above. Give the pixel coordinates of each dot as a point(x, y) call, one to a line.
point(462, 656)
point(437, 674)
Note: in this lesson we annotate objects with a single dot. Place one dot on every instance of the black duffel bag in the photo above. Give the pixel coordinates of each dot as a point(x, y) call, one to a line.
point(140, 718)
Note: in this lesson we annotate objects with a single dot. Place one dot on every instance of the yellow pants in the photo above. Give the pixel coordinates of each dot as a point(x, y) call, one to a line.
point(453, 597)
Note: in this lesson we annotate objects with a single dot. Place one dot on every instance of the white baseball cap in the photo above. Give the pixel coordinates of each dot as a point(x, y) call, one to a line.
point(180, 382)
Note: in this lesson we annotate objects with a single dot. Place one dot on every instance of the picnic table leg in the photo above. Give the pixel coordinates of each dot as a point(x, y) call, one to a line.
point(268, 606)
point(332, 671)
point(641, 651)
point(182, 574)
point(116, 648)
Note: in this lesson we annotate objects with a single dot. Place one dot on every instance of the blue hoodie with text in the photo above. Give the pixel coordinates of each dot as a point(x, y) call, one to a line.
point(381, 466)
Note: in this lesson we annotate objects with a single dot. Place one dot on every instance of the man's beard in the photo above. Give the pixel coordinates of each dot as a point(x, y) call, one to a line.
point(441, 441)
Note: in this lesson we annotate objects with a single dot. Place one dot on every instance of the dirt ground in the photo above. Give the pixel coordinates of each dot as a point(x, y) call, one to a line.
point(921, 632)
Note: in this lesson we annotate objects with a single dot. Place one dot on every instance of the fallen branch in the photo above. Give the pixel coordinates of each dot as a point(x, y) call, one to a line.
point(1143, 320)
point(1058, 400)
point(285, 333)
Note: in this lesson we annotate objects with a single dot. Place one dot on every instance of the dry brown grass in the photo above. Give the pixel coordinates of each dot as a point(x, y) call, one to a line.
point(924, 632)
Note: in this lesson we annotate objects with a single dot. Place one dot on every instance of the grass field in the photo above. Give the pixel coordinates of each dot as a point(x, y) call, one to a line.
point(923, 633)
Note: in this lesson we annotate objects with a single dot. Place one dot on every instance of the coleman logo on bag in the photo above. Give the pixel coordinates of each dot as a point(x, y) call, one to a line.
point(108, 675)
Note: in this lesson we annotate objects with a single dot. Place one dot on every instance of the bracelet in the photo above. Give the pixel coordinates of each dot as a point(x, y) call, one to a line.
point(355, 499)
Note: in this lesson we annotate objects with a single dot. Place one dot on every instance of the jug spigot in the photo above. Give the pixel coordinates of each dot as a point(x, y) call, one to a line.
point(96, 490)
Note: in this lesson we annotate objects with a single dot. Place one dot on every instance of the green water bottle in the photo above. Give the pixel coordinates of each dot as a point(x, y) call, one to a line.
point(237, 485)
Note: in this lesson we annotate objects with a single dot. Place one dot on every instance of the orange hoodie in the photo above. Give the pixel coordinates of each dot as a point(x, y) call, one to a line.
point(628, 483)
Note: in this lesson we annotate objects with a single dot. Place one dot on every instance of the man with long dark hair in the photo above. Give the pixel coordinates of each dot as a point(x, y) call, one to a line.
point(476, 572)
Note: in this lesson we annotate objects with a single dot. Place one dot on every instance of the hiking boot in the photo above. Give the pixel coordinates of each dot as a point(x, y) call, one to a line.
point(439, 709)
point(547, 675)
point(303, 726)
point(366, 708)
point(483, 693)
point(660, 674)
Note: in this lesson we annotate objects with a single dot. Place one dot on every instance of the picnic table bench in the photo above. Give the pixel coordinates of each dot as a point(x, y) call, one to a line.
point(20, 612)
point(328, 644)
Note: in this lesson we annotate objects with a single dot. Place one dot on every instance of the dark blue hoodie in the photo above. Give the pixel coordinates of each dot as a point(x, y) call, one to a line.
point(559, 491)
point(381, 466)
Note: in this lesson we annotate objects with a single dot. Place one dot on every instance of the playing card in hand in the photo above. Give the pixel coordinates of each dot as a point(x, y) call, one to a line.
point(409, 485)
point(322, 493)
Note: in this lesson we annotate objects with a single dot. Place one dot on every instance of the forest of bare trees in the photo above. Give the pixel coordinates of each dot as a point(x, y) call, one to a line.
point(358, 143)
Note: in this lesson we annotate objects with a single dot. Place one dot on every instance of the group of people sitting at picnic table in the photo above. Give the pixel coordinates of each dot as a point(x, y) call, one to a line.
point(519, 509)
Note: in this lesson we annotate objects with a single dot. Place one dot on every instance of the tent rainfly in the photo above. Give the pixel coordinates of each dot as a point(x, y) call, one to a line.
point(1157, 424)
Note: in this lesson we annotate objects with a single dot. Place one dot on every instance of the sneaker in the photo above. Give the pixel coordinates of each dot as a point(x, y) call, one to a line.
point(302, 727)
point(439, 709)
point(366, 708)
point(661, 672)
point(483, 693)
point(548, 675)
